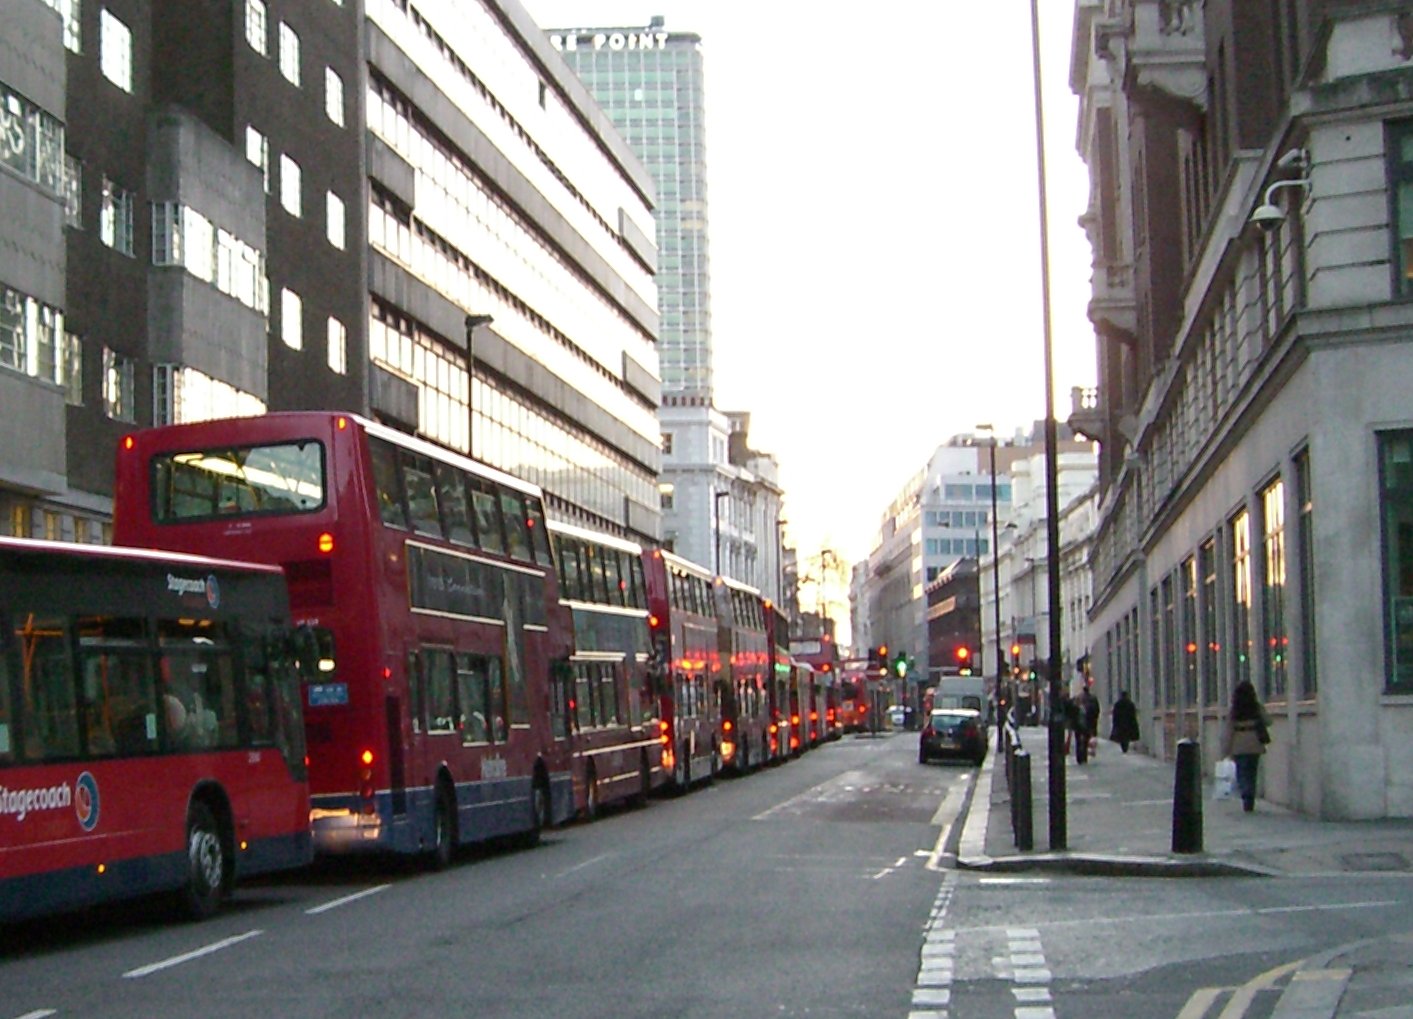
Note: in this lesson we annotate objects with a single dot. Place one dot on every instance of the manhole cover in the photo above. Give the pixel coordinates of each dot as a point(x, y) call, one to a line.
point(1374, 861)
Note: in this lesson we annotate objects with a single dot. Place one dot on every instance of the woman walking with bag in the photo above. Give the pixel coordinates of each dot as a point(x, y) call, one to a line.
point(1244, 739)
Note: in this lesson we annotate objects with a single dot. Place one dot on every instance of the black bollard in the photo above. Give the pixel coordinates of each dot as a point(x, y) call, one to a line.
point(1022, 821)
point(1187, 798)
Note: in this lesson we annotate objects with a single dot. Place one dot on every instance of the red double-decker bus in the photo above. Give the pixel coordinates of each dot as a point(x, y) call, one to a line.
point(682, 619)
point(782, 677)
point(742, 684)
point(611, 686)
point(150, 732)
point(430, 582)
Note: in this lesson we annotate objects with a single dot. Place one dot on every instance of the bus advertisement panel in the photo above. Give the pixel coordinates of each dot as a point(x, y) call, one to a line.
point(745, 702)
point(429, 580)
point(682, 619)
point(611, 688)
point(150, 730)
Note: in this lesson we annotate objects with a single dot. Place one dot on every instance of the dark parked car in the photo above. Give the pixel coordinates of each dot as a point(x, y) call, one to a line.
point(952, 732)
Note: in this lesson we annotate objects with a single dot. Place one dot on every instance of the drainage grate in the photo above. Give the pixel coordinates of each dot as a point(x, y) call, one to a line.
point(1374, 861)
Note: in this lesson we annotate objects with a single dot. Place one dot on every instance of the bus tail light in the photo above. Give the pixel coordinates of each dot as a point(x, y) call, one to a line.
point(726, 725)
point(663, 738)
point(669, 759)
point(326, 543)
point(366, 792)
point(728, 750)
point(795, 721)
point(794, 743)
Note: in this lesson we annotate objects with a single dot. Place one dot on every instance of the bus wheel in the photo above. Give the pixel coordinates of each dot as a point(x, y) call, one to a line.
point(540, 804)
point(443, 830)
point(591, 793)
point(205, 863)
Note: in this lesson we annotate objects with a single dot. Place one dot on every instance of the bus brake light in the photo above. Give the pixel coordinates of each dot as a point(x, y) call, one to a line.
point(726, 725)
point(366, 757)
point(129, 442)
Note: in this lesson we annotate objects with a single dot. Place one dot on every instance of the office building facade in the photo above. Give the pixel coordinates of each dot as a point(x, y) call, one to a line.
point(1251, 209)
point(287, 204)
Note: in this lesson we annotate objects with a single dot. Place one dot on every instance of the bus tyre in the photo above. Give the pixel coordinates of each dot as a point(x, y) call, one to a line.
point(443, 831)
point(205, 864)
point(540, 804)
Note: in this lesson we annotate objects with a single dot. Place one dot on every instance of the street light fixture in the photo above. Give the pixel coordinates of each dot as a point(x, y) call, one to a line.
point(472, 323)
point(996, 590)
point(716, 523)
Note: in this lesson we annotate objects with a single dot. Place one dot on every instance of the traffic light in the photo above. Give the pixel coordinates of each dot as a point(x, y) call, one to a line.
point(963, 655)
point(900, 666)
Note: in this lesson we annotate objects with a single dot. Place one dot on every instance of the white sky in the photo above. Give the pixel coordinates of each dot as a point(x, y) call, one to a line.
point(874, 233)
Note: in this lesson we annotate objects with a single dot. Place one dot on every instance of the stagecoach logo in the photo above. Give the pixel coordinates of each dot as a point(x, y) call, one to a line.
point(86, 802)
point(209, 588)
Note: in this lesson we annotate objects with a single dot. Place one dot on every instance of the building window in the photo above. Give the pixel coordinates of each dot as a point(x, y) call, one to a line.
point(1211, 635)
point(1305, 508)
point(73, 370)
point(289, 54)
point(1241, 597)
point(666, 443)
point(119, 396)
point(30, 336)
point(257, 26)
point(333, 96)
point(257, 150)
point(290, 177)
point(71, 13)
point(1400, 175)
point(1274, 637)
point(1170, 648)
point(334, 229)
point(291, 319)
point(115, 218)
point(1189, 633)
point(1396, 511)
point(115, 51)
point(73, 192)
point(338, 347)
point(31, 141)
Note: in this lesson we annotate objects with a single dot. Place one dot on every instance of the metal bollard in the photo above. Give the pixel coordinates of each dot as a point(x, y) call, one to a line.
point(1187, 798)
point(1021, 819)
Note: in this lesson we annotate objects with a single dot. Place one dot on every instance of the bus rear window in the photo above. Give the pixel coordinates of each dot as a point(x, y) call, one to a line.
point(237, 482)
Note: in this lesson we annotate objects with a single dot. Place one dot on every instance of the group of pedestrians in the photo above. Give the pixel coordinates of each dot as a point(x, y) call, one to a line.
point(1245, 735)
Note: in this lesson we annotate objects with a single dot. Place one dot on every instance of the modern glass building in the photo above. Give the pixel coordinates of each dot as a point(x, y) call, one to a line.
point(649, 81)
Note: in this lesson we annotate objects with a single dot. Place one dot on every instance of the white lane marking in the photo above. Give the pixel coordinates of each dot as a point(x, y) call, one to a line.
point(581, 866)
point(1205, 914)
point(1014, 881)
point(39, 1013)
point(177, 960)
point(336, 903)
point(818, 794)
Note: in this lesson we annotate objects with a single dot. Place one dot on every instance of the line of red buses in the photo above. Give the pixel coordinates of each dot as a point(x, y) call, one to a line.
point(356, 641)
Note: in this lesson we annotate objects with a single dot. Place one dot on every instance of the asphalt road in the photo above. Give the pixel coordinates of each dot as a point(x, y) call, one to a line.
point(811, 889)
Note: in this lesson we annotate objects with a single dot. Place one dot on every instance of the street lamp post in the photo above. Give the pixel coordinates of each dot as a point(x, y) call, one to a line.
point(996, 590)
point(1059, 837)
point(716, 523)
point(472, 323)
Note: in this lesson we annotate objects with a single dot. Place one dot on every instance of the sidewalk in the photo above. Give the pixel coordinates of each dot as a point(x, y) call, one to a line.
point(1119, 820)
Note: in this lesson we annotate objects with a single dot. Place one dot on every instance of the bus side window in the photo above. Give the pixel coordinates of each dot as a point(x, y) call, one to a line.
point(442, 715)
point(389, 484)
point(471, 688)
point(500, 701)
point(49, 707)
point(131, 696)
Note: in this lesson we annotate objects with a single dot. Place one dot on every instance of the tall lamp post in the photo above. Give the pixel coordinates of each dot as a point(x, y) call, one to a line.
point(716, 524)
point(1059, 836)
point(996, 590)
point(473, 322)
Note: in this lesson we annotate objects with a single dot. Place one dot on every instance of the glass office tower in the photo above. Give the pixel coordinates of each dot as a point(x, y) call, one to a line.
point(649, 82)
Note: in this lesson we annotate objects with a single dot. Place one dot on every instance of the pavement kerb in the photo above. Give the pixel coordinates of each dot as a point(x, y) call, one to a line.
point(971, 851)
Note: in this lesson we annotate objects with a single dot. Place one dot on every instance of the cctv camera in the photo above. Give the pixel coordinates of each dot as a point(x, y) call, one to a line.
point(1292, 160)
point(1267, 217)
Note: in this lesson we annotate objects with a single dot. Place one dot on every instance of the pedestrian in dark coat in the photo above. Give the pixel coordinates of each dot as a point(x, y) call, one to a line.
point(1244, 739)
point(1086, 724)
point(1125, 722)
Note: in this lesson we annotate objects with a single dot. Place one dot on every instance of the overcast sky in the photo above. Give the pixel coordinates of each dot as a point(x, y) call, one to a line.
point(873, 231)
